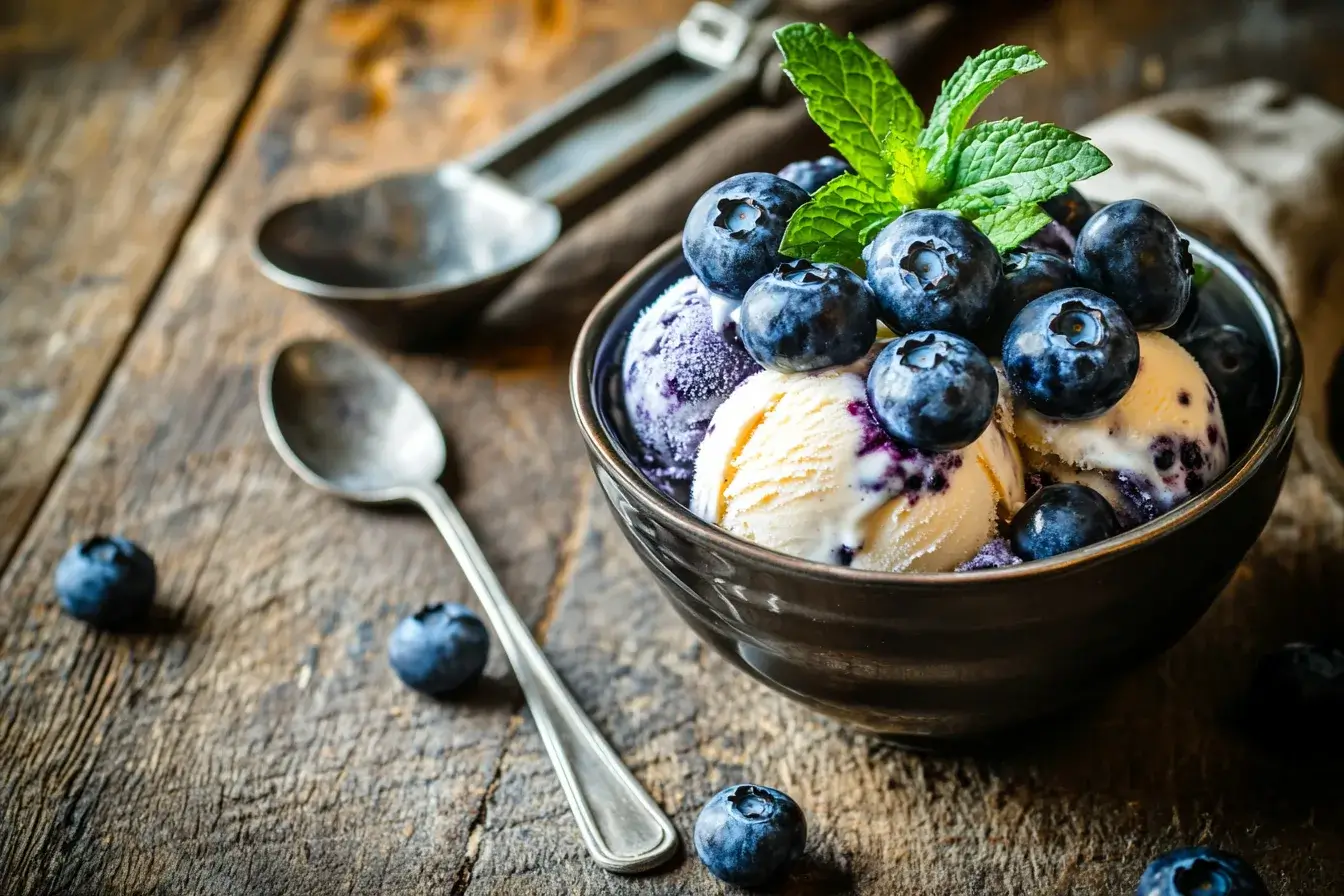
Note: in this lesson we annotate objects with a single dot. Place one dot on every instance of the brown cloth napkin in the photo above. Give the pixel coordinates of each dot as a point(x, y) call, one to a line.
point(1258, 164)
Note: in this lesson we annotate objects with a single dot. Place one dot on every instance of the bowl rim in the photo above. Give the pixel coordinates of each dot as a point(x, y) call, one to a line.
point(1278, 427)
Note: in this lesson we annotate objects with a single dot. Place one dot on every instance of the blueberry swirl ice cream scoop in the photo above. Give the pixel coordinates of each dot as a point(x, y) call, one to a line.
point(677, 370)
point(798, 463)
point(1159, 445)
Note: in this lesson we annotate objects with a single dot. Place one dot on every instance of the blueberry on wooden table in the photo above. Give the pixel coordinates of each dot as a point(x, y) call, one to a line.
point(748, 834)
point(1296, 698)
point(440, 649)
point(106, 581)
point(1200, 871)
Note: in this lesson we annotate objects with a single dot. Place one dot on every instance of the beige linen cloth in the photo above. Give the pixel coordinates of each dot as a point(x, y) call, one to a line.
point(1263, 166)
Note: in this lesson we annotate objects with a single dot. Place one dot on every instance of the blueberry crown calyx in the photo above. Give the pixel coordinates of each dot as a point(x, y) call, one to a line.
point(802, 272)
point(930, 263)
point(752, 803)
point(1081, 326)
point(738, 215)
point(922, 353)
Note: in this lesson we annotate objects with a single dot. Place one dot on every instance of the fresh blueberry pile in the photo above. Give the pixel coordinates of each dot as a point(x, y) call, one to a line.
point(1065, 321)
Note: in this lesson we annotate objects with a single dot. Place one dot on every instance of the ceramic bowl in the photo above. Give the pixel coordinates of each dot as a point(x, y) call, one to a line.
point(938, 658)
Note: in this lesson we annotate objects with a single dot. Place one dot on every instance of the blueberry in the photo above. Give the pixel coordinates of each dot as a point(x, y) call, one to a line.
point(807, 316)
point(1190, 320)
point(1061, 518)
point(933, 391)
point(1027, 275)
point(1070, 209)
point(106, 581)
point(933, 270)
point(440, 649)
point(747, 834)
point(1200, 871)
point(812, 176)
point(1229, 359)
point(1071, 354)
point(732, 235)
point(1296, 698)
point(1132, 252)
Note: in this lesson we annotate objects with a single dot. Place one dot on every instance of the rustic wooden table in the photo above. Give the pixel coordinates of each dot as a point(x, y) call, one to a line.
point(256, 742)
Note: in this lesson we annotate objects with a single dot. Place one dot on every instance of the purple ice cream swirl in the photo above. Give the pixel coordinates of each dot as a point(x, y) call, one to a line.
point(677, 370)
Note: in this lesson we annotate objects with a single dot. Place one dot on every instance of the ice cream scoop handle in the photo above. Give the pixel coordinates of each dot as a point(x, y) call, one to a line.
point(622, 827)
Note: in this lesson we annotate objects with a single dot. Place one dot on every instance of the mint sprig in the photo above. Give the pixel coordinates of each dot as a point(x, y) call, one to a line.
point(852, 94)
point(995, 173)
point(833, 225)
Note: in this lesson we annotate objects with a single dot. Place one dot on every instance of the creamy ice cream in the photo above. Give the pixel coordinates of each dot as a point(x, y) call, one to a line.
point(798, 463)
point(677, 370)
point(1163, 442)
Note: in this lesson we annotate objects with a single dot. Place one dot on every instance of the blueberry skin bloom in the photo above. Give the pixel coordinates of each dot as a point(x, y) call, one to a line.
point(812, 176)
point(1132, 252)
point(1027, 275)
point(732, 235)
point(440, 649)
point(1071, 354)
point(1200, 871)
point(933, 391)
point(807, 316)
point(933, 270)
point(1061, 518)
point(748, 834)
point(106, 581)
point(1296, 698)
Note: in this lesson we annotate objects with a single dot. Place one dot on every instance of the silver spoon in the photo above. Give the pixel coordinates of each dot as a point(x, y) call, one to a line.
point(402, 259)
point(346, 423)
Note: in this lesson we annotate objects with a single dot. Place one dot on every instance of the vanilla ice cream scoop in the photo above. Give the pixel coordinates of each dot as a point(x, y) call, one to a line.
point(798, 463)
point(1163, 442)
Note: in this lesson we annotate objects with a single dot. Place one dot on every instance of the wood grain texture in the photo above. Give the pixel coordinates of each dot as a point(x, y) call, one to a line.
point(112, 117)
point(254, 741)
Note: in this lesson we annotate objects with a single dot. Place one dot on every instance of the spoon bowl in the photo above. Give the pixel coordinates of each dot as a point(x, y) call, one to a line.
point(402, 259)
point(347, 423)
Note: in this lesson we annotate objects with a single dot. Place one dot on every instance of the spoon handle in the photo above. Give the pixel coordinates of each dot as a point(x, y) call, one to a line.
point(621, 826)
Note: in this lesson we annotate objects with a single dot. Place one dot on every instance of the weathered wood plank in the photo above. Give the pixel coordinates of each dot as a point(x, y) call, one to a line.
point(256, 741)
point(112, 117)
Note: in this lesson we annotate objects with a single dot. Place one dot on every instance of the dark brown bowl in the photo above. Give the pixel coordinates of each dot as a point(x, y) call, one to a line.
point(935, 658)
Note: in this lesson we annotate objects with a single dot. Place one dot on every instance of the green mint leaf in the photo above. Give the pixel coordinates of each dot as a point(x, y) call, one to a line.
point(1203, 274)
point(852, 93)
point(832, 226)
point(870, 232)
point(906, 161)
point(1000, 164)
point(963, 93)
point(1008, 227)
